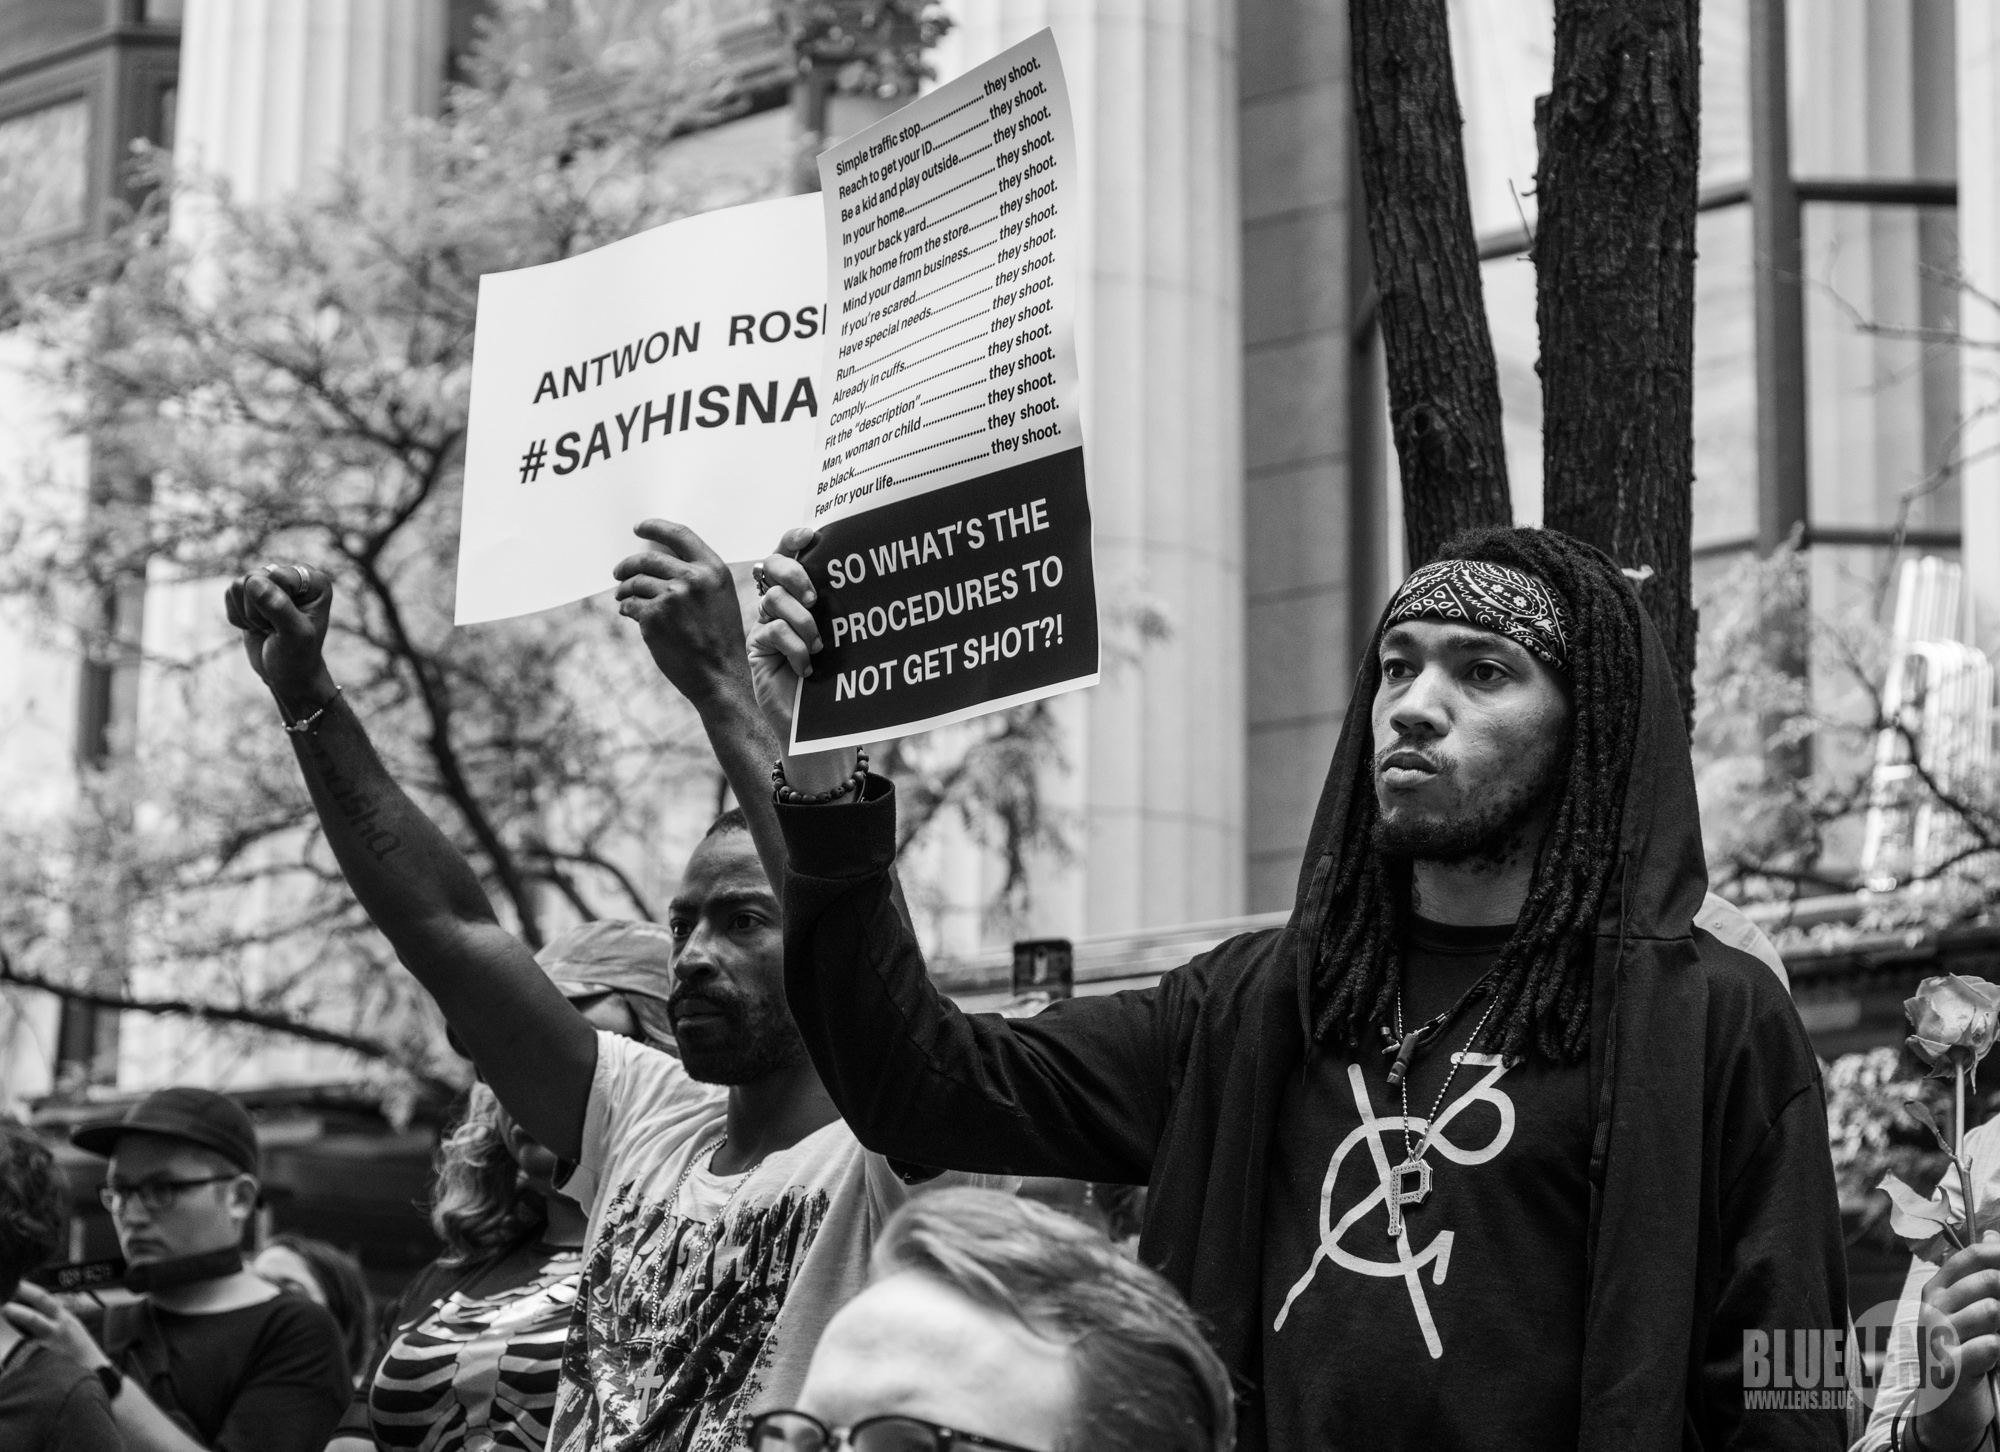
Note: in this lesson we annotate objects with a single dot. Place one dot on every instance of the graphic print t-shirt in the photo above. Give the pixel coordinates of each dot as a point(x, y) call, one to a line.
point(1467, 1330)
point(691, 1318)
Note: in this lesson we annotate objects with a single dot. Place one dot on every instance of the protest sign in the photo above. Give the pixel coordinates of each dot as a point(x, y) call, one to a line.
point(673, 373)
point(953, 562)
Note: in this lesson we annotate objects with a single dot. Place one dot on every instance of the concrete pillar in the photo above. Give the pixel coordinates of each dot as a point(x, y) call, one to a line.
point(273, 94)
point(274, 91)
point(1979, 244)
point(1157, 751)
point(1299, 453)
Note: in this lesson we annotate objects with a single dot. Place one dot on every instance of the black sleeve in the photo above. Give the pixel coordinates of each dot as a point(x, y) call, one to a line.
point(1782, 1264)
point(1080, 1090)
point(295, 1388)
point(85, 1423)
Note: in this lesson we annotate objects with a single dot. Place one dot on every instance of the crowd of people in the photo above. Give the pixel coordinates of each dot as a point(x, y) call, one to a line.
point(1509, 1138)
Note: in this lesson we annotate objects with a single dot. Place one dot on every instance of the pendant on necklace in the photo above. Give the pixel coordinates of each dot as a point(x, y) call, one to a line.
point(1409, 1183)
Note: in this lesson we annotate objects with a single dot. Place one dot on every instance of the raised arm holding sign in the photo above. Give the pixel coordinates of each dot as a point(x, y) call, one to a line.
point(1486, 768)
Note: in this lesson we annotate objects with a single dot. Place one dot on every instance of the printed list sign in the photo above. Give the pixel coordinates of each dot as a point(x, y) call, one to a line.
point(673, 373)
point(954, 555)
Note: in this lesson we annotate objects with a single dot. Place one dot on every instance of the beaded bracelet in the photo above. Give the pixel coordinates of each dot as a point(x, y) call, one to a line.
point(786, 795)
point(304, 725)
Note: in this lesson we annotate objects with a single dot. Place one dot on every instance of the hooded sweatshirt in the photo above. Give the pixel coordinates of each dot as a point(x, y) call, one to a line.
point(1712, 1221)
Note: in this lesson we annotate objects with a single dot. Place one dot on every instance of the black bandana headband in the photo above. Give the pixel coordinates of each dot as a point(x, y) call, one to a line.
point(1492, 597)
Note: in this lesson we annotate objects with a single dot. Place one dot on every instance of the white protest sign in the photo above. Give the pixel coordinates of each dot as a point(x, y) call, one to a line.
point(953, 563)
point(670, 374)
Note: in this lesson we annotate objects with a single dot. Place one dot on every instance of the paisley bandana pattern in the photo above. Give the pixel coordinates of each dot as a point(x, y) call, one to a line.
point(1492, 597)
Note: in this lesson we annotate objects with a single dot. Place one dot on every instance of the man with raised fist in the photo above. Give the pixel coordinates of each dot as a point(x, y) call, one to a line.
point(731, 1211)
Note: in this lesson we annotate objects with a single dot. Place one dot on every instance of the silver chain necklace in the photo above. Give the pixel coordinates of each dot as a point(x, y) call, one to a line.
point(1402, 1189)
point(702, 1152)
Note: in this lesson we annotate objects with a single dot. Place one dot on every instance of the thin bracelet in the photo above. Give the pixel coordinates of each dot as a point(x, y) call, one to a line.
point(305, 724)
point(1913, 1442)
point(786, 795)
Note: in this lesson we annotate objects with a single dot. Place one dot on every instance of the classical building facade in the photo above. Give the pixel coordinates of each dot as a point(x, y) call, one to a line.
point(1238, 450)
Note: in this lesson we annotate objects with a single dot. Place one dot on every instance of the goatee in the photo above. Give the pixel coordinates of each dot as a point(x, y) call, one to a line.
point(1493, 832)
point(760, 1039)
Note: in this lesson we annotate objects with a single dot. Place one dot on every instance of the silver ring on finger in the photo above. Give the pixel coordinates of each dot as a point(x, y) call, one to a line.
point(760, 579)
point(305, 577)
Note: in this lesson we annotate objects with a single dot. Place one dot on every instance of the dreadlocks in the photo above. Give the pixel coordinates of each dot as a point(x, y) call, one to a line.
point(1542, 980)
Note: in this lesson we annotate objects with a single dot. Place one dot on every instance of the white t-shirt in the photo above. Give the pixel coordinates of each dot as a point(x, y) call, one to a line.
point(704, 1193)
point(694, 1313)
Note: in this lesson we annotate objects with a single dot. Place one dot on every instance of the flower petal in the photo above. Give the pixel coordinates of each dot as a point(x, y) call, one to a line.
point(1912, 1216)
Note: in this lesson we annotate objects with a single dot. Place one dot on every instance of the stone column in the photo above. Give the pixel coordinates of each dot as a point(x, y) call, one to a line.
point(274, 91)
point(1157, 751)
point(1316, 440)
point(1979, 244)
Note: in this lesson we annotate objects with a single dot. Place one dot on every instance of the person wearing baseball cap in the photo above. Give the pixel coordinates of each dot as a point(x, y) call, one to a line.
point(211, 1356)
point(617, 973)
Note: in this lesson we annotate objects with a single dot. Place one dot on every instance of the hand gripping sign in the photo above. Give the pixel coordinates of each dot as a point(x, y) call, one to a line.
point(954, 556)
point(673, 373)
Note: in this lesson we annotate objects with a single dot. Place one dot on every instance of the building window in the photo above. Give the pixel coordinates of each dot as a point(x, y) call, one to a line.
point(44, 172)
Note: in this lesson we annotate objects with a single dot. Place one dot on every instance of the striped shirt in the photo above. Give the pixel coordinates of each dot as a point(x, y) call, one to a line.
point(478, 1373)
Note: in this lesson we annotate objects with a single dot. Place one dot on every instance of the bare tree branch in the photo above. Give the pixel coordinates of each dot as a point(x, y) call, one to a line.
point(217, 1013)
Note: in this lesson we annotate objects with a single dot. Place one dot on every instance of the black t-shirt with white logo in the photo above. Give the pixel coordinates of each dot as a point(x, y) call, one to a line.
point(1467, 1331)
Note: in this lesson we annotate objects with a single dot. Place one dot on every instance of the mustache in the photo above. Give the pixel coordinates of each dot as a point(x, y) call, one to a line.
point(708, 1000)
point(1408, 754)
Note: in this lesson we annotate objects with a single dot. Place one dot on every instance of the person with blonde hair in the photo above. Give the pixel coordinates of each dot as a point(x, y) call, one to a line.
point(472, 1351)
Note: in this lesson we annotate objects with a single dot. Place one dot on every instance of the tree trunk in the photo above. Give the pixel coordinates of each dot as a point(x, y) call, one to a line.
point(1444, 393)
point(1614, 273)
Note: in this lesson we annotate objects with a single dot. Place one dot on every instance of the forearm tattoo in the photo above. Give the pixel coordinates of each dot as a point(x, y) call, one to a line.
point(356, 809)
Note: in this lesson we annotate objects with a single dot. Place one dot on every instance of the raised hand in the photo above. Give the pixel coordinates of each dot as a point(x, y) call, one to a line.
point(283, 611)
point(786, 638)
point(684, 600)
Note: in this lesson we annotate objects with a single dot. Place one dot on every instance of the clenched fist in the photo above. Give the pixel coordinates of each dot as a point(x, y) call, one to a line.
point(283, 611)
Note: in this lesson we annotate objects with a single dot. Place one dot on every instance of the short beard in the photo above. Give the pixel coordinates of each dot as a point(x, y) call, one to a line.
point(762, 1040)
point(1493, 834)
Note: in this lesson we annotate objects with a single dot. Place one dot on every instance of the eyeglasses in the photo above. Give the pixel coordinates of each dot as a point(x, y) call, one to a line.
point(155, 1195)
point(802, 1432)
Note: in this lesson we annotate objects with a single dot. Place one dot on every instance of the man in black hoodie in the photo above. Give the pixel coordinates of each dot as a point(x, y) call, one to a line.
point(1490, 1145)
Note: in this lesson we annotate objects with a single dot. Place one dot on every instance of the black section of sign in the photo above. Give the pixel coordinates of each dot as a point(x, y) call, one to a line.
point(964, 595)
